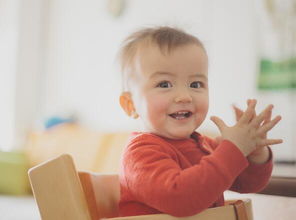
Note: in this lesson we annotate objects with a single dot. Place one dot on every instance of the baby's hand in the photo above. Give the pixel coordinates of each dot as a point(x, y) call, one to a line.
point(259, 150)
point(249, 134)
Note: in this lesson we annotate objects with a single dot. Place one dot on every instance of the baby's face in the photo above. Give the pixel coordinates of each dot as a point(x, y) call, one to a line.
point(170, 92)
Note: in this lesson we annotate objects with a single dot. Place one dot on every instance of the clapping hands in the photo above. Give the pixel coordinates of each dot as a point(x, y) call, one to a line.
point(249, 133)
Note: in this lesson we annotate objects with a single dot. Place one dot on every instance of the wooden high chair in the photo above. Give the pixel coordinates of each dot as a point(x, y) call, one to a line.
point(62, 193)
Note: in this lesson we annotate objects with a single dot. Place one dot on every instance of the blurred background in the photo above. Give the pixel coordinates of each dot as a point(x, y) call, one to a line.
point(58, 58)
point(58, 67)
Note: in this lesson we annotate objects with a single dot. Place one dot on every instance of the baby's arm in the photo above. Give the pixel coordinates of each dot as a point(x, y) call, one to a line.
point(260, 156)
point(252, 179)
point(154, 176)
point(255, 177)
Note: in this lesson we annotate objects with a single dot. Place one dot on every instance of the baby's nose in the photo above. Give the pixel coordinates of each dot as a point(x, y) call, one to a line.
point(183, 97)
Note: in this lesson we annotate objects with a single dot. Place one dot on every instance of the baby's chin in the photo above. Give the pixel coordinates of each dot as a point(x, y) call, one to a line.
point(174, 135)
point(179, 137)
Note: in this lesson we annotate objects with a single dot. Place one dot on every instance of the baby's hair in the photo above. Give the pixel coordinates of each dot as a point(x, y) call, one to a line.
point(164, 37)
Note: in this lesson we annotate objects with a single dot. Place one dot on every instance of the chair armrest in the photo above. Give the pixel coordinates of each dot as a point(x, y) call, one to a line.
point(226, 212)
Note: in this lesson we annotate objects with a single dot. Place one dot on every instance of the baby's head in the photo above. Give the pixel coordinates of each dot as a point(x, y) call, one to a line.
point(165, 81)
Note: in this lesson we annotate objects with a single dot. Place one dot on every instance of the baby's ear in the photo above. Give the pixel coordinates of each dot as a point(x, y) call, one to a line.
point(126, 103)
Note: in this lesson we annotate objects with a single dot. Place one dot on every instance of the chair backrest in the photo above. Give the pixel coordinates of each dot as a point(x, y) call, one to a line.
point(62, 193)
point(58, 191)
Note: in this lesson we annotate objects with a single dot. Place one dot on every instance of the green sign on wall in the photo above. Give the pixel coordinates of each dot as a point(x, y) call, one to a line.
point(277, 74)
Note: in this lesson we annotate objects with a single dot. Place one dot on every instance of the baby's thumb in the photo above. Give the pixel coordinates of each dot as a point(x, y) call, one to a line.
point(218, 122)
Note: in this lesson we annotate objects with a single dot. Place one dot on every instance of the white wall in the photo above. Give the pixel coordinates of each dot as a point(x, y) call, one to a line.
point(21, 51)
point(81, 41)
point(8, 53)
point(29, 69)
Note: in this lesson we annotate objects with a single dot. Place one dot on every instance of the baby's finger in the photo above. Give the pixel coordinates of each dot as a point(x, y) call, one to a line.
point(218, 139)
point(268, 142)
point(238, 112)
point(268, 126)
point(219, 123)
point(249, 113)
point(262, 116)
point(268, 117)
point(251, 102)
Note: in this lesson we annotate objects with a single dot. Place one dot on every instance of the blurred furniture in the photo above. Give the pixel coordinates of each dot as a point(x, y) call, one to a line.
point(281, 186)
point(268, 207)
point(63, 194)
point(13, 173)
point(101, 152)
point(91, 150)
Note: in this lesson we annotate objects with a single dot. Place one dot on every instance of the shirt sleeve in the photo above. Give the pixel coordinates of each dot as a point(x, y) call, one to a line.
point(255, 177)
point(252, 179)
point(155, 178)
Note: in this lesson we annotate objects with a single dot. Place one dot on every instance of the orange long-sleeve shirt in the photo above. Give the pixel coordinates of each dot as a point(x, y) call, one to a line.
point(184, 177)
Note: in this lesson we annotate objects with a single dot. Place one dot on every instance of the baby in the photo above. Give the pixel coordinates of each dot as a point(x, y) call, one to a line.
point(169, 167)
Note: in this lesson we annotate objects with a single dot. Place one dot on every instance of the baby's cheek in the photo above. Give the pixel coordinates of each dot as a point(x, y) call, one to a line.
point(158, 105)
point(157, 108)
point(203, 103)
point(205, 107)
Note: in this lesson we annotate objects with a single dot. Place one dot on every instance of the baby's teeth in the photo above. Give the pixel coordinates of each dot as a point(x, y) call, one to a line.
point(180, 116)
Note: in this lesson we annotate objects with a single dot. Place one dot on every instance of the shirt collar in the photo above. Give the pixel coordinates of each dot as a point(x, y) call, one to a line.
point(202, 144)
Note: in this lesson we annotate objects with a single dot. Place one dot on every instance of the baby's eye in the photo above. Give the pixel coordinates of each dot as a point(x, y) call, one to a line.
point(196, 84)
point(164, 84)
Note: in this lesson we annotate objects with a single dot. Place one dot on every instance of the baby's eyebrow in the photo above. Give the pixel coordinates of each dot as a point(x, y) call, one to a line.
point(199, 75)
point(159, 73)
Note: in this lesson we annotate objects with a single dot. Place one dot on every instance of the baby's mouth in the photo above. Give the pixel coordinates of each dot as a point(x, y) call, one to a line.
point(181, 115)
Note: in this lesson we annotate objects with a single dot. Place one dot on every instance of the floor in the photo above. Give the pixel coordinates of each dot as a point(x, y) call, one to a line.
point(18, 208)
